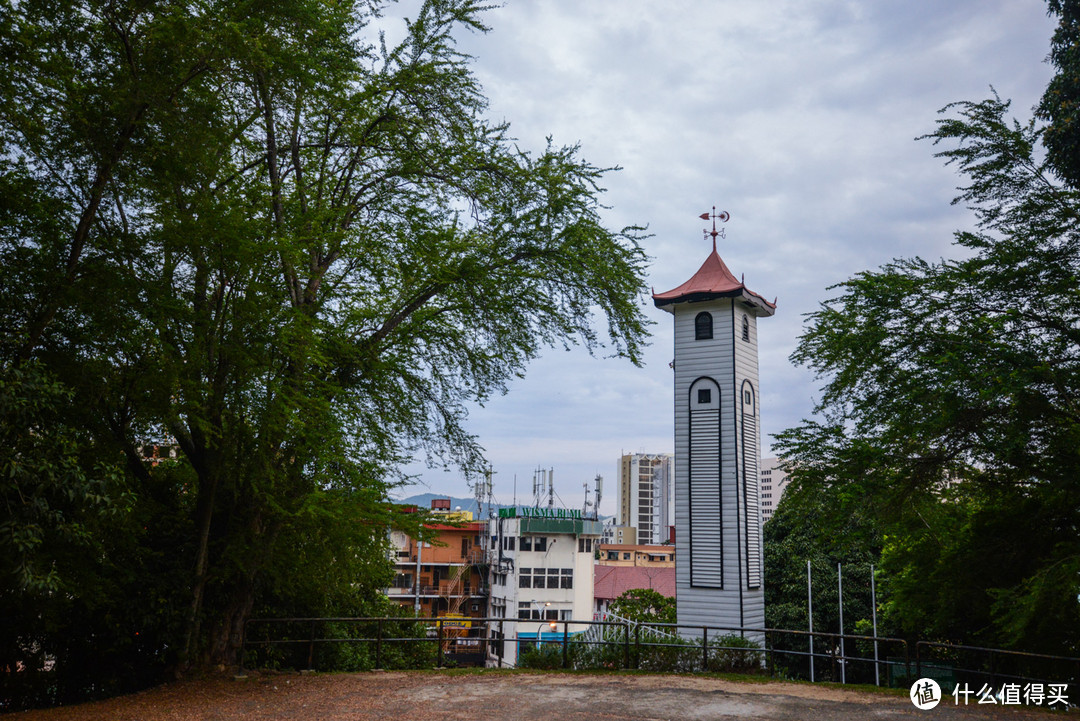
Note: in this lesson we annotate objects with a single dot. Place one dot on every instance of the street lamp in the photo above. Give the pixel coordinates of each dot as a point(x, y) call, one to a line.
point(539, 629)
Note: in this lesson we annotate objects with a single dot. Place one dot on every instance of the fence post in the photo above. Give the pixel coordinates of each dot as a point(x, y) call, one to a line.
point(637, 646)
point(626, 645)
point(378, 643)
point(704, 648)
point(565, 647)
point(311, 648)
point(438, 624)
point(243, 646)
point(770, 660)
point(907, 660)
point(833, 650)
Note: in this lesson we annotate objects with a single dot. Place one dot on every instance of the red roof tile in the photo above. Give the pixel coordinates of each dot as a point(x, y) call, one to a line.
point(609, 582)
point(713, 280)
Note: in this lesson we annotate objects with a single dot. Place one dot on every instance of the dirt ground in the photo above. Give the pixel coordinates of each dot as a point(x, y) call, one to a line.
point(517, 696)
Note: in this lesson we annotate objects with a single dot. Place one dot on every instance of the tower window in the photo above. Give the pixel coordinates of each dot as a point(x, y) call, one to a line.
point(745, 329)
point(704, 395)
point(703, 326)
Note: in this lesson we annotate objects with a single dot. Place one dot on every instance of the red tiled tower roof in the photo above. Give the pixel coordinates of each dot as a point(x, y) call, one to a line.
point(713, 280)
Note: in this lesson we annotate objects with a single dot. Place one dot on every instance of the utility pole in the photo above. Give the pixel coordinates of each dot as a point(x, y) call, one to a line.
point(840, 599)
point(873, 615)
point(810, 615)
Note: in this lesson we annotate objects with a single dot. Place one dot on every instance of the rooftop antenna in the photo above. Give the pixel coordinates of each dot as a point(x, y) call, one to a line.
point(482, 492)
point(599, 494)
point(585, 507)
point(551, 488)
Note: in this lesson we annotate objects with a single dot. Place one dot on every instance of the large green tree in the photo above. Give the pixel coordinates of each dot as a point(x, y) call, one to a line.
point(259, 233)
point(949, 411)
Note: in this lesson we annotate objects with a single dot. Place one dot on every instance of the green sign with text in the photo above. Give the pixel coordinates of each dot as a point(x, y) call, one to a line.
point(526, 512)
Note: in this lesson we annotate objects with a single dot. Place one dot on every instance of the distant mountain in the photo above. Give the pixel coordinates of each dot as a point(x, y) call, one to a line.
point(423, 500)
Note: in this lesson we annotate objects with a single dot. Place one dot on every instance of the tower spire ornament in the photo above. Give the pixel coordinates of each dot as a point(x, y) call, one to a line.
point(723, 217)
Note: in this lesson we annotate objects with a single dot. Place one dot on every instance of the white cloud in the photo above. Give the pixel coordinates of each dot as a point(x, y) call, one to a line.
point(798, 117)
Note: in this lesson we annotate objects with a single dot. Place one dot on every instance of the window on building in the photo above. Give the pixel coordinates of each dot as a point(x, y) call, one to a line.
point(565, 614)
point(540, 544)
point(626, 557)
point(703, 326)
point(525, 578)
point(566, 578)
point(704, 395)
point(745, 329)
point(526, 543)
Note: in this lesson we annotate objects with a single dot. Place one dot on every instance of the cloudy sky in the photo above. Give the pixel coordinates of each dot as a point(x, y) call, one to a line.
point(798, 117)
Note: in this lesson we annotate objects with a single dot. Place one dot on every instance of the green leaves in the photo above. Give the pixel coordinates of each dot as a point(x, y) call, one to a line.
point(644, 605)
point(251, 232)
point(949, 398)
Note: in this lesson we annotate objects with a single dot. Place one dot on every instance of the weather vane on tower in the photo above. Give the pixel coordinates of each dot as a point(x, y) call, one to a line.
point(722, 216)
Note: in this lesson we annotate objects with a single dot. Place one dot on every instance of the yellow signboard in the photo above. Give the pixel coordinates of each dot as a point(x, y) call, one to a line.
point(455, 620)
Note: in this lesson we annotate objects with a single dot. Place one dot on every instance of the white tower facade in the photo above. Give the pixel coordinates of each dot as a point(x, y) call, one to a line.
point(719, 574)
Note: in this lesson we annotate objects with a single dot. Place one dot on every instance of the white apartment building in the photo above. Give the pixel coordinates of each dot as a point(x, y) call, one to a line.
point(646, 496)
point(541, 572)
point(772, 485)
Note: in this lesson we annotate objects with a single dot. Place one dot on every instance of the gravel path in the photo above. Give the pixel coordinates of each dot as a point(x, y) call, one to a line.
point(435, 696)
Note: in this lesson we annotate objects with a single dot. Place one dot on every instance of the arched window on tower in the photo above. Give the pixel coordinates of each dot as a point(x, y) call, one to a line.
point(745, 329)
point(703, 326)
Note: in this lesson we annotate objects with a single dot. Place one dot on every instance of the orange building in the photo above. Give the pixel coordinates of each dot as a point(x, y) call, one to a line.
point(445, 577)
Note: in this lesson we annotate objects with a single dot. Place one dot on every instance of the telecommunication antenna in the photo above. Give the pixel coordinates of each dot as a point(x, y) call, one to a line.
point(551, 487)
point(599, 493)
point(482, 492)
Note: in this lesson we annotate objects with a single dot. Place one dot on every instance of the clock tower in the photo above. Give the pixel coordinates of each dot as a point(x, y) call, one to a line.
point(717, 446)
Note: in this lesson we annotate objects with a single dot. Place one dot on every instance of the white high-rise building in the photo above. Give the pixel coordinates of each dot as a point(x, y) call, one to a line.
point(646, 495)
point(773, 482)
point(717, 447)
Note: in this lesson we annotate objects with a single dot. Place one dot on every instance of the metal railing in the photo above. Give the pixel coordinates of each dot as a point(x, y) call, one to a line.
point(617, 643)
point(406, 642)
point(949, 663)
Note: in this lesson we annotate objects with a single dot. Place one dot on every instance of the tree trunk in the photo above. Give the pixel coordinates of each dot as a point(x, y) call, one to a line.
point(204, 513)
